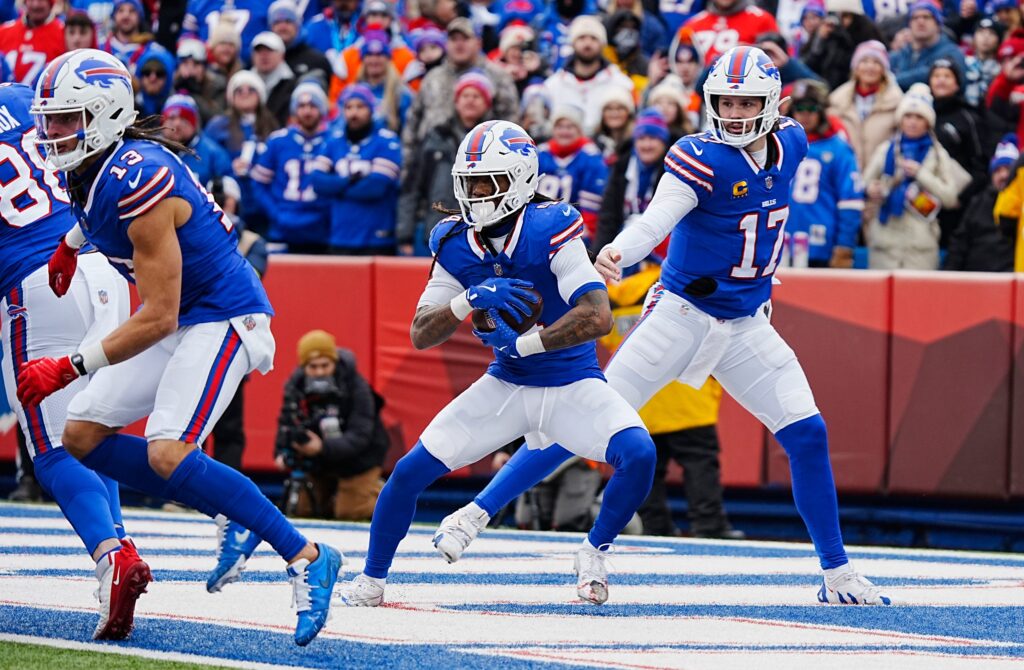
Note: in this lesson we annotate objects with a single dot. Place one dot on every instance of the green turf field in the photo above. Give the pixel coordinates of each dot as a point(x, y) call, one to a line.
point(17, 656)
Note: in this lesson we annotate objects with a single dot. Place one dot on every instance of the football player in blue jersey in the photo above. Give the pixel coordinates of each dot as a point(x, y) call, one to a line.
point(725, 205)
point(571, 166)
point(281, 176)
point(203, 325)
point(358, 174)
point(827, 194)
point(35, 213)
point(545, 384)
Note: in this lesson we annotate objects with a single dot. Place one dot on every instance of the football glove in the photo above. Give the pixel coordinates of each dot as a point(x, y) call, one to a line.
point(505, 294)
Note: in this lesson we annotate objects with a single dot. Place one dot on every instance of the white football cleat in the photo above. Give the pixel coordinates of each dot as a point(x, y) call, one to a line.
point(458, 529)
point(591, 575)
point(845, 586)
point(362, 591)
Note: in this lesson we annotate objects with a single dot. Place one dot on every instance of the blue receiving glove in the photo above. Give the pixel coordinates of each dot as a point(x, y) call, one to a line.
point(502, 338)
point(507, 294)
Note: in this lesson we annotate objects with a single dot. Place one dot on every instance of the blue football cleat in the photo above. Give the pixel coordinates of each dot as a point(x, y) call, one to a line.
point(235, 545)
point(312, 584)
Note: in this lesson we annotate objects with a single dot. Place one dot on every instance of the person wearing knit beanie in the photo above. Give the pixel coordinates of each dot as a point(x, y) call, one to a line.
point(311, 94)
point(650, 123)
point(246, 78)
point(1006, 154)
point(317, 344)
point(918, 100)
point(590, 26)
point(360, 92)
point(476, 81)
point(182, 107)
point(870, 49)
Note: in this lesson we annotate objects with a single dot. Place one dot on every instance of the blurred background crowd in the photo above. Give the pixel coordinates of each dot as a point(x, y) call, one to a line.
point(330, 126)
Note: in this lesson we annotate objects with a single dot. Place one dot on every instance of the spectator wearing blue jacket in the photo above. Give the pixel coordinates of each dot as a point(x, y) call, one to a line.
point(826, 196)
point(182, 124)
point(154, 70)
point(357, 172)
point(927, 45)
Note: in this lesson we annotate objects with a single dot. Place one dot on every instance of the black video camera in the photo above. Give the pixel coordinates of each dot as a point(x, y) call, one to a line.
point(319, 412)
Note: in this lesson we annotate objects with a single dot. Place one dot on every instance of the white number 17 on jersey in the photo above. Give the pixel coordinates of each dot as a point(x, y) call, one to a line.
point(775, 219)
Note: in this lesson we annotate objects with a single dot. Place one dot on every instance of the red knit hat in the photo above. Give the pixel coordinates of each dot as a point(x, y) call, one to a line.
point(477, 81)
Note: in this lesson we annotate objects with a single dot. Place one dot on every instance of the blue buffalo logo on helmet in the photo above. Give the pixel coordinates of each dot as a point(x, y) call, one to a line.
point(517, 141)
point(104, 75)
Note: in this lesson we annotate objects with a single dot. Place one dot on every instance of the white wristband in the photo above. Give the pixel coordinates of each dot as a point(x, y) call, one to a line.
point(93, 357)
point(460, 306)
point(75, 238)
point(528, 345)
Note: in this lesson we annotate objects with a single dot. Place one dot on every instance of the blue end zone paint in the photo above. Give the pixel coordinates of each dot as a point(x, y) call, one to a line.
point(255, 646)
point(531, 579)
point(1001, 624)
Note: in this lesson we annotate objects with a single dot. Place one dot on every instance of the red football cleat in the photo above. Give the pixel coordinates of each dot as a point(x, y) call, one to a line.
point(123, 578)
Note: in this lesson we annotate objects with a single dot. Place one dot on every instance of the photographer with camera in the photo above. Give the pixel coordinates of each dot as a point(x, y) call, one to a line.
point(329, 435)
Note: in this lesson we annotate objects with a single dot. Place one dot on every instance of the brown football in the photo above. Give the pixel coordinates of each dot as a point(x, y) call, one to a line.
point(482, 320)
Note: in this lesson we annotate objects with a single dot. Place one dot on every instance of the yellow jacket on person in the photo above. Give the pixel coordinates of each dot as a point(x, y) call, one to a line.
point(1009, 211)
point(677, 406)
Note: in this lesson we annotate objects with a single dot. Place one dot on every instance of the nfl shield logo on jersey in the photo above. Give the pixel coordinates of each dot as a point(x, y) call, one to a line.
point(249, 323)
point(102, 295)
point(769, 182)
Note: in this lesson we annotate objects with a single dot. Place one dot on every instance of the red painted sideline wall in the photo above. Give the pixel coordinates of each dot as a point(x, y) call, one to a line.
point(920, 376)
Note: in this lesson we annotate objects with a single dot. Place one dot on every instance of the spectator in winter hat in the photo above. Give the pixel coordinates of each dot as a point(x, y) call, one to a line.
point(866, 104)
point(909, 180)
point(623, 31)
point(155, 71)
point(182, 124)
point(829, 50)
point(268, 62)
point(586, 77)
point(961, 129)
point(617, 113)
point(571, 166)
point(428, 44)
point(983, 65)
point(395, 47)
point(379, 73)
point(224, 44)
point(980, 242)
point(284, 18)
point(127, 40)
point(811, 18)
point(428, 173)
point(1006, 12)
point(192, 77)
point(535, 111)
point(671, 102)
point(518, 54)
point(927, 45)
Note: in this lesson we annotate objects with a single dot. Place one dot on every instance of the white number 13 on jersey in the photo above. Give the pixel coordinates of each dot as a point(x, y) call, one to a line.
point(776, 218)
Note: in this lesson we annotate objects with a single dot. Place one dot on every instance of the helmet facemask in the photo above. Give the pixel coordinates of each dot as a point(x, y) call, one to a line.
point(754, 128)
point(505, 199)
point(90, 139)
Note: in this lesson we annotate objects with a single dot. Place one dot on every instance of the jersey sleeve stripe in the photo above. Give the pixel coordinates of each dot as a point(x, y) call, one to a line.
point(149, 186)
point(576, 235)
point(851, 204)
point(578, 221)
point(150, 203)
point(261, 174)
point(684, 174)
point(692, 162)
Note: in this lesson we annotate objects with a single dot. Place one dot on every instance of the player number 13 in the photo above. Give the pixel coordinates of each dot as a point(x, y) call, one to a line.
point(775, 223)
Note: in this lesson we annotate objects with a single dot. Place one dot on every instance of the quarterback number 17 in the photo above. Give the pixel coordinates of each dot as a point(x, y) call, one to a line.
point(749, 224)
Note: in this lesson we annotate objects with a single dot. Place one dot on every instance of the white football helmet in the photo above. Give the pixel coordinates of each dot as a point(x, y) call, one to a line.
point(493, 149)
point(749, 72)
point(92, 84)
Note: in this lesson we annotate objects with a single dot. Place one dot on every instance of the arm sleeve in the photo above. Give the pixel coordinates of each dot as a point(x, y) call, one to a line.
point(440, 289)
point(672, 200)
point(575, 273)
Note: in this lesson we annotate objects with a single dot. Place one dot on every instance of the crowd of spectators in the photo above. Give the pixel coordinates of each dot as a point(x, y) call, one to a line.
point(336, 121)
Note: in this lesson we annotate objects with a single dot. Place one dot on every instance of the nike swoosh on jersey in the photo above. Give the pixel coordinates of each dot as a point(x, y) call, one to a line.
point(132, 183)
point(699, 152)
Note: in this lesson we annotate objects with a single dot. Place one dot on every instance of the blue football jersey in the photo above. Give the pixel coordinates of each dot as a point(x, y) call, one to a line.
point(827, 197)
point(133, 177)
point(282, 183)
point(539, 233)
point(34, 206)
point(578, 179)
point(722, 255)
point(361, 182)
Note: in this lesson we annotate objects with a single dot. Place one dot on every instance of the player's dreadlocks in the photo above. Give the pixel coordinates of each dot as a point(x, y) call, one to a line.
point(151, 128)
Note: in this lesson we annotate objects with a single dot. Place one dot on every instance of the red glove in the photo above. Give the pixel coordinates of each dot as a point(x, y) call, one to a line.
point(62, 267)
point(40, 377)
